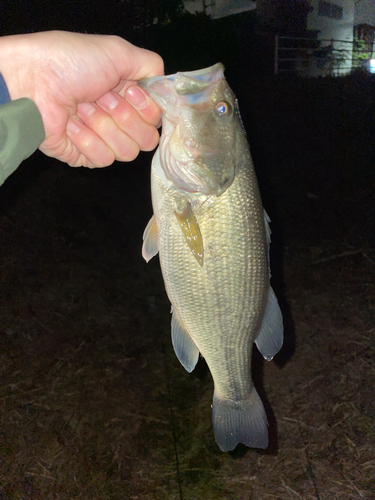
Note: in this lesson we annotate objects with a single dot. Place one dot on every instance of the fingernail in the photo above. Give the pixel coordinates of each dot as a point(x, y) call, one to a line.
point(86, 108)
point(108, 101)
point(136, 97)
point(73, 126)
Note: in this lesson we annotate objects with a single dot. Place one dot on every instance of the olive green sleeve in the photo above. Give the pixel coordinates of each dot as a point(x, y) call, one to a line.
point(21, 132)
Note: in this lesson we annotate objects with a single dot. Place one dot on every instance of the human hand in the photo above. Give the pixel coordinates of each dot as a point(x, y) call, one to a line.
point(85, 89)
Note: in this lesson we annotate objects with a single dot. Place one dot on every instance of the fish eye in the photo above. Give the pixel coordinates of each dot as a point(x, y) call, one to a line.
point(224, 109)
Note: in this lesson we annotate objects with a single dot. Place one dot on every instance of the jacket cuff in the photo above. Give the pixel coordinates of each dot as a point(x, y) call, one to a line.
point(4, 94)
point(21, 133)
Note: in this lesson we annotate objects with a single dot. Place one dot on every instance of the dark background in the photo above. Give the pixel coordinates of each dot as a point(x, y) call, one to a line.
point(284, 116)
point(93, 403)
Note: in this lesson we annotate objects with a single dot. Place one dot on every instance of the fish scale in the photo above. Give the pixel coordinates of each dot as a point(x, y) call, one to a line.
point(222, 302)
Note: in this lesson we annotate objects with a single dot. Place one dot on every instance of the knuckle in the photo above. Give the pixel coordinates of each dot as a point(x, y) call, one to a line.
point(150, 140)
point(127, 118)
point(129, 151)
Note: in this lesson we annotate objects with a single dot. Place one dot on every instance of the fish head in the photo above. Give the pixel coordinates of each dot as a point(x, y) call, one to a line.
point(200, 127)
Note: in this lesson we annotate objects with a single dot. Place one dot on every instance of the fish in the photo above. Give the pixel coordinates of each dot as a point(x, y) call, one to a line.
point(212, 236)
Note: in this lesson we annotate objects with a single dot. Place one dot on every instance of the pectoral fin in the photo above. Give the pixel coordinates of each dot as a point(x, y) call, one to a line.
point(150, 240)
point(190, 229)
point(271, 334)
point(184, 347)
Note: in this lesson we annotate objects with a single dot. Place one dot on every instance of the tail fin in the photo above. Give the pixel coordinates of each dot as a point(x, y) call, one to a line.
point(240, 422)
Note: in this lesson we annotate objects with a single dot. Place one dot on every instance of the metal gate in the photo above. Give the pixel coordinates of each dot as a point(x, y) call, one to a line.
point(312, 57)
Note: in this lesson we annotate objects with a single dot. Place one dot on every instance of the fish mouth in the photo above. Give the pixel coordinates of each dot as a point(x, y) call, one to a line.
point(190, 165)
point(190, 87)
point(205, 75)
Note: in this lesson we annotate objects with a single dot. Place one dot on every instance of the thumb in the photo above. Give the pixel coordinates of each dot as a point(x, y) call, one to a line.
point(131, 62)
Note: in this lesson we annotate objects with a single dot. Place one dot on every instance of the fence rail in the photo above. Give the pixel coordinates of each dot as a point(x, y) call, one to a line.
point(312, 57)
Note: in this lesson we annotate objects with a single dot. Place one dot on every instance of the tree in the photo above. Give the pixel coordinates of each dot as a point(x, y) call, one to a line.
point(147, 12)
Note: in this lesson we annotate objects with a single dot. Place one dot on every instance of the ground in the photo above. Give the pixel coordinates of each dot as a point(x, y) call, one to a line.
point(94, 403)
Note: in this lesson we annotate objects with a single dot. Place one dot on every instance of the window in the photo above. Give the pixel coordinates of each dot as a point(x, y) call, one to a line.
point(329, 9)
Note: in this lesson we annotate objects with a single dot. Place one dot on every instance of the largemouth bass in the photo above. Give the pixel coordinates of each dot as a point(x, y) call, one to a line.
point(212, 236)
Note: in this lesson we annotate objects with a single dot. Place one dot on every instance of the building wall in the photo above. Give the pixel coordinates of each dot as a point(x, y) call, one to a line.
point(364, 12)
point(332, 19)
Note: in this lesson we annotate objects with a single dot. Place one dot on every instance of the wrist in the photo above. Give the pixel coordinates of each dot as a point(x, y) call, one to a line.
point(14, 63)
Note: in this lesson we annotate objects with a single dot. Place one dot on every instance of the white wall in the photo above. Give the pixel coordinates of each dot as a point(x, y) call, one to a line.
point(329, 27)
point(340, 29)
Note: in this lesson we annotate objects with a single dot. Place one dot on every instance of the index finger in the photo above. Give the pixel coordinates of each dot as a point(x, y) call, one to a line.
point(142, 102)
